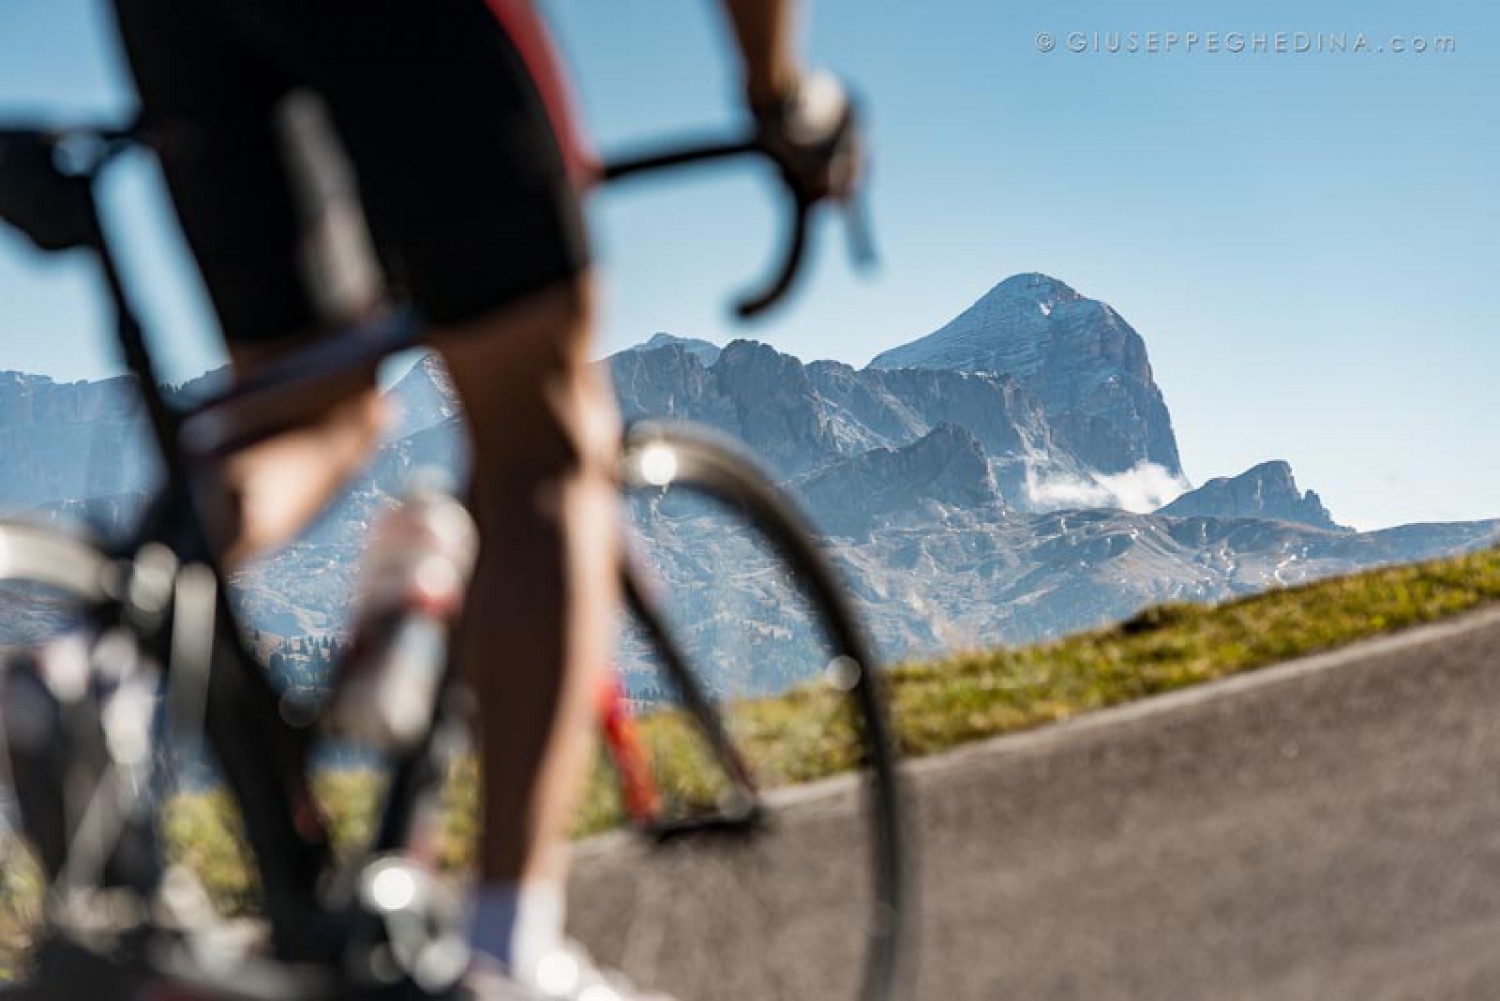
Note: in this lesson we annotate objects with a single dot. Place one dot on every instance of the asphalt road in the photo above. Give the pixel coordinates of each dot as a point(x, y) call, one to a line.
point(1326, 829)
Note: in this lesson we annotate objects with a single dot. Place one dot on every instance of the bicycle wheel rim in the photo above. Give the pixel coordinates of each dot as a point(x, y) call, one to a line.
point(843, 835)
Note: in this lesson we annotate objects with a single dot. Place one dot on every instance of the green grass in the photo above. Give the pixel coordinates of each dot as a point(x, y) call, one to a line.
point(974, 695)
point(803, 735)
point(20, 900)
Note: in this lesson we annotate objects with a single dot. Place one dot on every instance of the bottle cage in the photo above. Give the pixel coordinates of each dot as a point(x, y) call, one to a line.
point(52, 206)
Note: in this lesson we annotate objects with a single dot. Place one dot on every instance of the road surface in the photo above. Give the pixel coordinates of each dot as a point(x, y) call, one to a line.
point(1327, 829)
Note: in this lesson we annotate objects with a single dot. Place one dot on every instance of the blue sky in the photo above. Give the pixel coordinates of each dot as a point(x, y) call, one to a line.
point(1307, 242)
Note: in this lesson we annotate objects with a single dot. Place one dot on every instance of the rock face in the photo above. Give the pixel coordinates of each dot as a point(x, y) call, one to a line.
point(775, 409)
point(705, 351)
point(917, 484)
point(70, 441)
point(1086, 365)
point(799, 417)
point(875, 406)
point(1267, 491)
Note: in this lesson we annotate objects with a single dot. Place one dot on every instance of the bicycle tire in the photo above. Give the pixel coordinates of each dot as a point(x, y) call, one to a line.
point(861, 817)
point(56, 559)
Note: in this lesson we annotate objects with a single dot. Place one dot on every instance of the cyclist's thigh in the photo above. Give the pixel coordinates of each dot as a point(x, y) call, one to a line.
point(452, 115)
point(213, 96)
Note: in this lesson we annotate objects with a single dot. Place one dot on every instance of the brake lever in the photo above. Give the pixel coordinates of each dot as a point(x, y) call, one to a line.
point(863, 254)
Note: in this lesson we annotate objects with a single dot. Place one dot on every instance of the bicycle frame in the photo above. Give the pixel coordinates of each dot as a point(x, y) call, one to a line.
point(263, 755)
point(264, 758)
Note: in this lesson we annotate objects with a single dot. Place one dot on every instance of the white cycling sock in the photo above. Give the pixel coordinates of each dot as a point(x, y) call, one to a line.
point(518, 923)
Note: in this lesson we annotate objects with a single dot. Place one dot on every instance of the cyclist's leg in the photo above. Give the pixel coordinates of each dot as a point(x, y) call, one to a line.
point(215, 98)
point(463, 175)
point(463, 166)
point(543, 599)
point(278, 485)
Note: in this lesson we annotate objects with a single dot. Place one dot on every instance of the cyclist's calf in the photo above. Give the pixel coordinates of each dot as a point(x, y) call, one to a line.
point(537, 627)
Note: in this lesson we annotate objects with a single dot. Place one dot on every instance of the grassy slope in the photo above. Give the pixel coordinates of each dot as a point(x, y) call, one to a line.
point(981, 694)
point(936, 705)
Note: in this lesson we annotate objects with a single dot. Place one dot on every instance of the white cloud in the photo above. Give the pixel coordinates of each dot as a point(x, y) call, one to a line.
point(1143, 488)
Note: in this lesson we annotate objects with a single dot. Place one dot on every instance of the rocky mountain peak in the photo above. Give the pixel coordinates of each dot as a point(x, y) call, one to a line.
point(1267, 491)
point(776, 409)
point(705, 351)
point(1033, 286)
point(1078, 356)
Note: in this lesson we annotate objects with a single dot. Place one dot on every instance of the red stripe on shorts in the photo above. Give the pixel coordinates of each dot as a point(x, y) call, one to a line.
point(519, 20)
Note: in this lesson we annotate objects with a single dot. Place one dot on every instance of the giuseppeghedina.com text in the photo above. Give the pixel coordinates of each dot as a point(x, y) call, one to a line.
point(1242, 43)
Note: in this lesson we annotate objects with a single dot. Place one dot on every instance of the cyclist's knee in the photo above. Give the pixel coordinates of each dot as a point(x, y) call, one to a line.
point(535, 401)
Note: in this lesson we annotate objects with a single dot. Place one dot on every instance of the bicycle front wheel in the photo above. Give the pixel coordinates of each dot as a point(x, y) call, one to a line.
point(771, 864)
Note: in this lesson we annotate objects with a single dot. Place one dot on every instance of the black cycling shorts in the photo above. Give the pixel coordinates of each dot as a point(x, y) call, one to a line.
point(451, 113)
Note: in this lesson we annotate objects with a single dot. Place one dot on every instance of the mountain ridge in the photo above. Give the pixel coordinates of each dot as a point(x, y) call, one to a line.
point(966, 506)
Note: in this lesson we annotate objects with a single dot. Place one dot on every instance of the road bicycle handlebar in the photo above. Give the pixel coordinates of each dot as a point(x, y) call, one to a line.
point(793, 256)
point(44, 173)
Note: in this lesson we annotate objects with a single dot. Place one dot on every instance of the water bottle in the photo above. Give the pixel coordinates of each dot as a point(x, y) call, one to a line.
point(411, 591)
